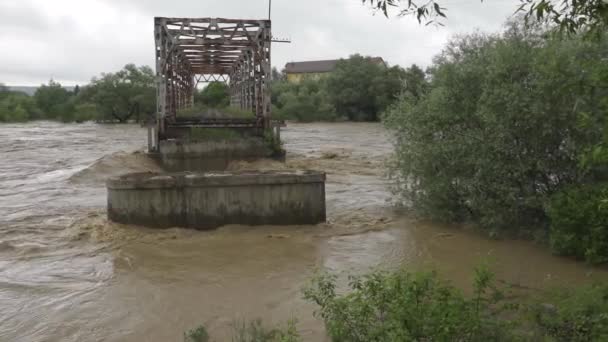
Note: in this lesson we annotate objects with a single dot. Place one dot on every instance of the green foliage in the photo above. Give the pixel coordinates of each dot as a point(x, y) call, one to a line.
point(198, 334)
point(496, 133)
point(403, 306)
point(569, 15)
point(53, 100)
point(122, 95)
point(17, 107)
point(579, 222)
point(253, 331)
point(86, 112)
point(274, 143)
point(116, 96)
point(3, 90)
point(214, 95)
point(572, 315)
point(305, 101)
point(357, 90)
point(360, 89)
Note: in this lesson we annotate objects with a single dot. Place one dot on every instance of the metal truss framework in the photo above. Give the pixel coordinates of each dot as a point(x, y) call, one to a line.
point(193, 50)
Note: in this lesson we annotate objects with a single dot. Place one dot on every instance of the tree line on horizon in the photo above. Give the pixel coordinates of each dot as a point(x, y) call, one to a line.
point(129, 95)
point(357, 90)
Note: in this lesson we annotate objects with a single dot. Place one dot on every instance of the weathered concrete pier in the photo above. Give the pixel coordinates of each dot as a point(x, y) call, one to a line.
point(237, 52)
point(176, 155)
point(210, 200)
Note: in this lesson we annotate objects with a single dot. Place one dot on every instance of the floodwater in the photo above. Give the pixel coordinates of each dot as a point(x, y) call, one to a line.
point(66, 274)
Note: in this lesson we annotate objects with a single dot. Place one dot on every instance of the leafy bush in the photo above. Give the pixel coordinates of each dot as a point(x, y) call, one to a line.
point(52, 99)
point(16, 107)
point(305, 101)
point(253, 331)
point(572, 315)
point(579, 222)
point(402, 306)
point(498, 131)
point(86, 112)
point(198, 334)
point(357, 90)
point(123, 95)
point(360, 90)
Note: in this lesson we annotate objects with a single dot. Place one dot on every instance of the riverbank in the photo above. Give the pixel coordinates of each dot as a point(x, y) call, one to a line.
point(70, 275)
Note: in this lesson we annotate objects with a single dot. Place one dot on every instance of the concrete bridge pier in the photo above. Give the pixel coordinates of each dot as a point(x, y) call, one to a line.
point(210, 200)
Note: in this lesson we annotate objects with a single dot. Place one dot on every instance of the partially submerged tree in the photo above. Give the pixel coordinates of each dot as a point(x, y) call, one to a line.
point(121, 95)
point(360, 75)
point(53, 100)
point(501, 128)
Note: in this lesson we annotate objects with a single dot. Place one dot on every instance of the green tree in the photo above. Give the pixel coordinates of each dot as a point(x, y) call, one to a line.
point(304, 101)
point(17, 107)
point(4, 92)
point(53, 100)
point(360, 89)
point(124, 94)
point(415, 83)
point(501, 127)
point(215, 95)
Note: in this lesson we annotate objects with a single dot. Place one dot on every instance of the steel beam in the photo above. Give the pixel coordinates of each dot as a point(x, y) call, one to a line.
point(193, 50)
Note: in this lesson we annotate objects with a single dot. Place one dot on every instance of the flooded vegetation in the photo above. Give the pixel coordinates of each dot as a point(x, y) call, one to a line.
point(67, 274)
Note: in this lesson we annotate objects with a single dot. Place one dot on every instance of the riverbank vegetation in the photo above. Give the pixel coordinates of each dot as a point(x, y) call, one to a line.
point(128, 94)
point(509, 132)
point(339, 95)
point(406, 306)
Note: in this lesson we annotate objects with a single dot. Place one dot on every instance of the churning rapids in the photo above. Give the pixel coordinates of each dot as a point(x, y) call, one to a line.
point(66, 274)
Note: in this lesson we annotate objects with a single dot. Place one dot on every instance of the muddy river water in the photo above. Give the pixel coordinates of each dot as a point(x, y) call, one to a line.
point(66, 274)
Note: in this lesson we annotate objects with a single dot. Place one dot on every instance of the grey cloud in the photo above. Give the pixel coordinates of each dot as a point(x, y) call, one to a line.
point(64, 44)
point(18, 18)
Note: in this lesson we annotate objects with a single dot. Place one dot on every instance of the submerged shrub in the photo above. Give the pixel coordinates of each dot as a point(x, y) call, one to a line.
point(250, 331)
point(579, 222)
point(573, 315)
point(198, 334)
point(403, 306)
point(305, 101)
point(498, 130)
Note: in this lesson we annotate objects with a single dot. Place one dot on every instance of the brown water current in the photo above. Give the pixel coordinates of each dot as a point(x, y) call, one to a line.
point(66, 274)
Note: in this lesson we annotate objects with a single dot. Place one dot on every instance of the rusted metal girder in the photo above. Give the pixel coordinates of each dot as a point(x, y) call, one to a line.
point(193, 50)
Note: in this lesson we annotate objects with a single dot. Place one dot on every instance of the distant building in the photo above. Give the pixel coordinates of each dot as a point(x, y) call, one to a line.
point(296, 71)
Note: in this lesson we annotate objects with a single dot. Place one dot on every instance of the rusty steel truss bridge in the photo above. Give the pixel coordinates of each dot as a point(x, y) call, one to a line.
point(194, 50)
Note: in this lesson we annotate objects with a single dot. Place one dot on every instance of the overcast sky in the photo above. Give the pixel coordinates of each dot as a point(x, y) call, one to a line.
point(73, 40)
